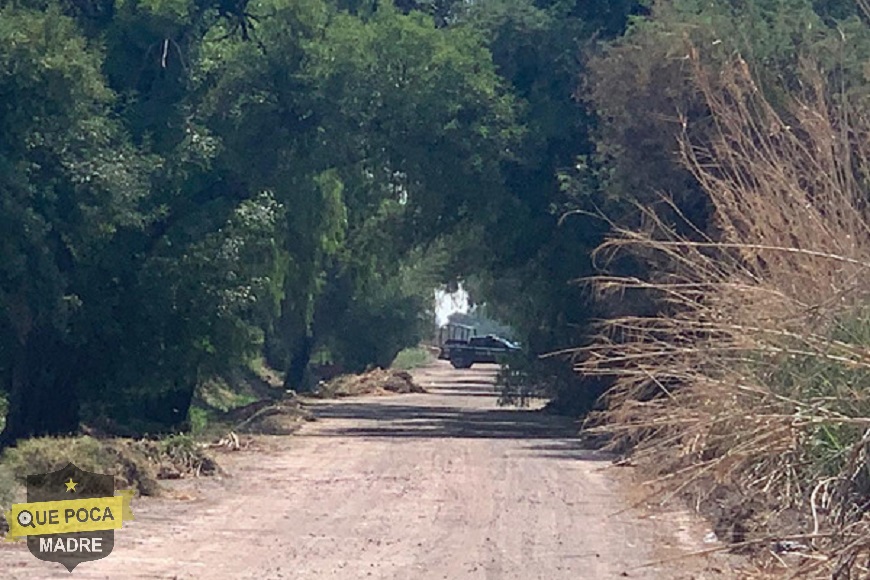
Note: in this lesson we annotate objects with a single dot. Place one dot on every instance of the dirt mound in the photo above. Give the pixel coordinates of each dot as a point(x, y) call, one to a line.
point(375, 382)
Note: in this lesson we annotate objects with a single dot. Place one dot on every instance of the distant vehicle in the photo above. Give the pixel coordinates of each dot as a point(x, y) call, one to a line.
point(478, 349)
point(452, 334)
point(445, 348)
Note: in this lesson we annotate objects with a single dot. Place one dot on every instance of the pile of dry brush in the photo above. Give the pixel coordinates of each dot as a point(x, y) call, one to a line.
point(752, 387)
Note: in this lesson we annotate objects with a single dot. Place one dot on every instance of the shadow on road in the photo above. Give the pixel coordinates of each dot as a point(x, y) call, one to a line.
point(466, 390)
point(573, 448)
point(459, 404)
point(426, 421)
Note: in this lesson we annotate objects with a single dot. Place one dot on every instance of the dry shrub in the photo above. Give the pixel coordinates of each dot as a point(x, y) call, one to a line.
point(375, 382)
point(176, 456)
point(755, 377)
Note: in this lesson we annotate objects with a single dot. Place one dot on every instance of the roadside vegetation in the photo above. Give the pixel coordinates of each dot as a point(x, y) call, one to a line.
point(411, 358)
point(749, 390)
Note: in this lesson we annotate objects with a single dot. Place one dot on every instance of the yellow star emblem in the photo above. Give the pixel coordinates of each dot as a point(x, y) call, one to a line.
point(71, 485)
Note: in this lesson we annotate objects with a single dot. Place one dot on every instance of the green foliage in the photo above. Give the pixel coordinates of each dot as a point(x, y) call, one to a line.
point(196, 183)
point(213, 399)
point(376, 303)
point(831, 382)
point(191, 315)
point(524, 377)
point(531, 255)
point(420, 112)
point(640, 86)
point(199, 420)
point(369, 325)
point(218, 394)
point(353, 123)
point(71, 184)
point(411, 358)
point(70, 180)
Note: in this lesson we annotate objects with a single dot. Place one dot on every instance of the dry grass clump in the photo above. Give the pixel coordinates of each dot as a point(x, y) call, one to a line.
point(755, 377)
point(125, 459)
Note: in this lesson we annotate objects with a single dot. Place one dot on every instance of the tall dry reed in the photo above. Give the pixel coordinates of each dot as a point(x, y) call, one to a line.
point(755, 376)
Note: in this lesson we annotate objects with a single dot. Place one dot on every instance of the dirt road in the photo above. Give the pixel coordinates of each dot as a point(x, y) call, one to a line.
point(444, 485)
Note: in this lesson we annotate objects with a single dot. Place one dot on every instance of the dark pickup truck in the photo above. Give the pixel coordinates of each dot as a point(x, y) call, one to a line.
point(478, 349)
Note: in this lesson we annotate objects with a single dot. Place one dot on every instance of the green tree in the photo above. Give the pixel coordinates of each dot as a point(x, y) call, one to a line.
point(70, 184)
point(532, 255)
point(346, 118)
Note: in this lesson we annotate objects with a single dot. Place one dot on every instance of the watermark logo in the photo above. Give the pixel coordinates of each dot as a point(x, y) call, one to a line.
point(70, 516)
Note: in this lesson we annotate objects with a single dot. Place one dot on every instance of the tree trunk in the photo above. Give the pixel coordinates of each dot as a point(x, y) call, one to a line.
point(292, 340)
point(42, 395)
point(294, 378)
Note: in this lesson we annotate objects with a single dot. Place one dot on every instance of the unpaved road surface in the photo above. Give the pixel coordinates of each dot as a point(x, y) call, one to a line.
point(443, 485)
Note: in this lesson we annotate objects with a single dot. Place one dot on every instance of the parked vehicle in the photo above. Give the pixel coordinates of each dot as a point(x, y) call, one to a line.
point(478, 349)
point(445, 348)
